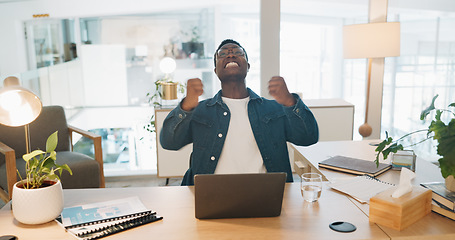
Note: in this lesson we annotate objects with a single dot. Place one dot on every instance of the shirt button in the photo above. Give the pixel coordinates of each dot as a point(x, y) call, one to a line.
point(180, 115)
point(297, 110)
point(212, 158)
point(225, 113)
point(220, 135)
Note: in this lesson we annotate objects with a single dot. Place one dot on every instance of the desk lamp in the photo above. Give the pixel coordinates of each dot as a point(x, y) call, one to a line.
point(18, 106)
point(372, 40)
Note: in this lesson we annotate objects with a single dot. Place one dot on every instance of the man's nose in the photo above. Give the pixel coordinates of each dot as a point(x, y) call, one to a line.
point(230, 52)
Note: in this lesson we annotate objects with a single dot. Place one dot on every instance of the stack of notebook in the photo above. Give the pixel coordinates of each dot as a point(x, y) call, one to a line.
point(443, 199)
point(97, 220)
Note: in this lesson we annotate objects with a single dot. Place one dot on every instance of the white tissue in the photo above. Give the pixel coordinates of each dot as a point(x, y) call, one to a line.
point(404, 186)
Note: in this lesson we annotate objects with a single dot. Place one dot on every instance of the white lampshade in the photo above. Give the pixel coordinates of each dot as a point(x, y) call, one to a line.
point(168, 65)
point(371, 40)
point(18, 106)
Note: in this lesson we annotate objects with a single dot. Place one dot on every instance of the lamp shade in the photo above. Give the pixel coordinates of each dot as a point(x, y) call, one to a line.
point(371, 40)
point(18, 106)
point(168, 65)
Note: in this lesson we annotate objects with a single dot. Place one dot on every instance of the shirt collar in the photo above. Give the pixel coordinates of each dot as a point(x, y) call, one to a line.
point(217, 98)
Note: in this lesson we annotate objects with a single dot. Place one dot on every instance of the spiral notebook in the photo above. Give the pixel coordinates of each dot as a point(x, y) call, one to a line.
point(97, 220)
point(361, 188)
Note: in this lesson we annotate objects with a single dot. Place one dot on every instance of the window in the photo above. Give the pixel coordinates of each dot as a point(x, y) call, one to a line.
point(311, 52)
point(425, 68)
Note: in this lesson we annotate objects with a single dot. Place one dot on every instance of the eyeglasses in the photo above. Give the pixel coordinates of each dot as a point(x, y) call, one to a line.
point(224, 52)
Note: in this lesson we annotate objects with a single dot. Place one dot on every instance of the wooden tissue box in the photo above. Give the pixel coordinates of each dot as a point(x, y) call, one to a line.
point(399, 213)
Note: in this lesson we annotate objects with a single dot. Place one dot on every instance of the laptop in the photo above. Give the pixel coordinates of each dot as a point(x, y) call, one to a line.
point(238, 195)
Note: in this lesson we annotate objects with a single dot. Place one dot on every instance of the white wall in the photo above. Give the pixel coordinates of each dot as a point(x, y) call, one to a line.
point(62, 84)
point(104, 67)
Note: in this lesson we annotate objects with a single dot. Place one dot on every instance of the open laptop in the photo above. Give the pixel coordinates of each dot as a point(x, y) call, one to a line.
point(238, 195)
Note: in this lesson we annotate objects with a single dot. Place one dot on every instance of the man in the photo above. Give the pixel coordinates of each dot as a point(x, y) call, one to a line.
point(237, 131)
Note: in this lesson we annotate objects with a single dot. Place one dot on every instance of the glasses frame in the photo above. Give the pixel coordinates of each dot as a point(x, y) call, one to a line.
point(232, 51)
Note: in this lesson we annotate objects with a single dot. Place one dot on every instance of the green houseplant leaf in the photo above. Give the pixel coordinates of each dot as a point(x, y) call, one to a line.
point(443, 133)
point(33, 154)
point(51, 142)
point(430, 108)
point(41, 166)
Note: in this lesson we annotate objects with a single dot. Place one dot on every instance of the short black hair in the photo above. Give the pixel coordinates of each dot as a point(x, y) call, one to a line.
point(227, 41)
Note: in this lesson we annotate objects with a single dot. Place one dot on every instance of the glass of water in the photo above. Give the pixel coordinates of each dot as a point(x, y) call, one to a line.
point(311, 186)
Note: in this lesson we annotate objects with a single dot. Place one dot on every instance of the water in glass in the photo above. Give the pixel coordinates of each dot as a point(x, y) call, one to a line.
point(311, 186)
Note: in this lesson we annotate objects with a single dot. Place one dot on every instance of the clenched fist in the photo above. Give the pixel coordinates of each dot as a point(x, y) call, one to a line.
point(194, 89)
point(279, 90)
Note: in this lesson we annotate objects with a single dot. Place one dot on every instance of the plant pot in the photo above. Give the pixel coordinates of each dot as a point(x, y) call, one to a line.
point(169, 90)
point(193, 47)
point(450, 183)
point(37, 206)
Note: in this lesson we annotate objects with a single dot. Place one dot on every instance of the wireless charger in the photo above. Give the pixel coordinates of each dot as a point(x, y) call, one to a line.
point(342, 227)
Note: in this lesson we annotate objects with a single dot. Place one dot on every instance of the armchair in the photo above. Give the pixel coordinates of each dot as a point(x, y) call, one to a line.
point(87, 172)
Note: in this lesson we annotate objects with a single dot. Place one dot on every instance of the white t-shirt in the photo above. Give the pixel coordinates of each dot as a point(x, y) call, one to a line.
point(240, 153)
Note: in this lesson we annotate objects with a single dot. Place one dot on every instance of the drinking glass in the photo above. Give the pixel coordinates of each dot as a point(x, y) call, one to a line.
point(311, 186)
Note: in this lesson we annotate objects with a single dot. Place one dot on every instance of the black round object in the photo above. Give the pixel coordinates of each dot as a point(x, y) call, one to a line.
point(342, 227)
point(8, 237)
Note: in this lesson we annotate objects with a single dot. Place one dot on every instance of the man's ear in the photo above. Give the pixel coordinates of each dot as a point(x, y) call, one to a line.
point(214, 70)
point(248, 69)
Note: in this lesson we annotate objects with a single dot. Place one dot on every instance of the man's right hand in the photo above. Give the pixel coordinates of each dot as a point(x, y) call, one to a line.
point(194, 89)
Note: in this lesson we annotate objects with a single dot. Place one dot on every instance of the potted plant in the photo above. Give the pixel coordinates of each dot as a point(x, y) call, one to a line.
point(193, 48)
point(38, 198)
point(443, 133)
point(165, 89)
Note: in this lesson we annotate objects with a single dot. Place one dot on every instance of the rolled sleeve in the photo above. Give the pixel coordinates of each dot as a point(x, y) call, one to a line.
point(176, 132)
point(302, 123)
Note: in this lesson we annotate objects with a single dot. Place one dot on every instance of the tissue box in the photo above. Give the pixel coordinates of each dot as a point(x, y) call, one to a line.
point(399, 213)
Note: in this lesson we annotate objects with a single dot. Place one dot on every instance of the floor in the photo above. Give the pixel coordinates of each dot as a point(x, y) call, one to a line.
point(128, 148)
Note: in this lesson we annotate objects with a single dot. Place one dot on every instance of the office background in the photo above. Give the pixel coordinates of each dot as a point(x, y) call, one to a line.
point(102, 57)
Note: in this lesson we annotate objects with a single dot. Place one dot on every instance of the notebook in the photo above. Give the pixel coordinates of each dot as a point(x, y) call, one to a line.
point(354, 166)
point(238, 195)
point(361, 188)
point(97, 220)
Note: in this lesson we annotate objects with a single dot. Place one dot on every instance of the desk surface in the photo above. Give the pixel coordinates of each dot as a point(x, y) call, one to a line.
point(298, 220)
point(432, 226)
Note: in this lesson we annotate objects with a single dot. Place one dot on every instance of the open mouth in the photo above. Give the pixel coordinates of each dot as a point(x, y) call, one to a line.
point(231, 64)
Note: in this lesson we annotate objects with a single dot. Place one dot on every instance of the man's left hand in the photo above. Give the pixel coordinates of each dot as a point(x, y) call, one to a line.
point(279, 90)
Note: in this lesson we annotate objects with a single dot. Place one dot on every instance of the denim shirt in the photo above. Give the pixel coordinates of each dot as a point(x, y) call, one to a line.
point(206, 127)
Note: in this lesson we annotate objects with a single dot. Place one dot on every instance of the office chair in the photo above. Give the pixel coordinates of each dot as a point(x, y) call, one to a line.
point(87, 172)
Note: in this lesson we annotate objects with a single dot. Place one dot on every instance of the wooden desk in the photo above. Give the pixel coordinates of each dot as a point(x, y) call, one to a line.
point(432, 226)
point(298, 220)
point(309, 157)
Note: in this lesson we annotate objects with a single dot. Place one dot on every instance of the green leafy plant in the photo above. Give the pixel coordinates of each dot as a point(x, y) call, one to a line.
point(443, 133)
point(41, 166)
point(154, 98)
point(192, 35)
